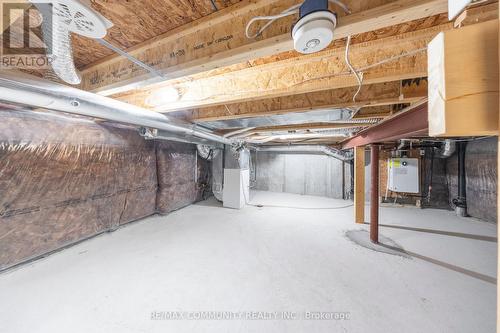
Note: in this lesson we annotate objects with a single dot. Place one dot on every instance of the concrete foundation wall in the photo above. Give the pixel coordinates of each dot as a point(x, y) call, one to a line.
point(305, 174)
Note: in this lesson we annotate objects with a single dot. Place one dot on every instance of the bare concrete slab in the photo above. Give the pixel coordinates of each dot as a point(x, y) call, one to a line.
point(268, 269)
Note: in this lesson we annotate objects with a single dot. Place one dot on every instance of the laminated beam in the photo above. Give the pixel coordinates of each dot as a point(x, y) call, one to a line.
point(219, 40)
point(381, 94)
point(383, 60)
point(406, 124)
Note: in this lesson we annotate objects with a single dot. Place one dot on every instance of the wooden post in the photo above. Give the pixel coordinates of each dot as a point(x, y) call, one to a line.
point(359, 184)
point(374, 193)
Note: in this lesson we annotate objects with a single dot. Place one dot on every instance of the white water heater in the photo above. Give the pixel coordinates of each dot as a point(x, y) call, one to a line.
point(403, 175)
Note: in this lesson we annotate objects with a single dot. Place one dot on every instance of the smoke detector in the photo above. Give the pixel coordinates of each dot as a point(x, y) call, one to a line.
point(314, 30)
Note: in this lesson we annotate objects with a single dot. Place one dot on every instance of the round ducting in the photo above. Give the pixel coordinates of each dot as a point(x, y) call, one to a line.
point(78, 17)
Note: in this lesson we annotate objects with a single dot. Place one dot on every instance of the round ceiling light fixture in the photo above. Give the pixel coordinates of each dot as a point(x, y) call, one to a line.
point(314, 30)
point(163, 96)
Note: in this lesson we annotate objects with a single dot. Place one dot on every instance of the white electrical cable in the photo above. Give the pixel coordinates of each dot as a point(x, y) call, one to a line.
point(358, 75)
point(362, 69)
point(287, 12)
point(402, 55)
point(271, 18)
point(341, 5)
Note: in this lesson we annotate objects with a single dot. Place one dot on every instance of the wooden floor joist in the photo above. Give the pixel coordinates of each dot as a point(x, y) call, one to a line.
point(218, 40)
point(381, 94)
point(383, 60)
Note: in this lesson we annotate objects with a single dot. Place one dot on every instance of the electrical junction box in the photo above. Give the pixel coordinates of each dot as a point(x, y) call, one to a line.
point(403, 175)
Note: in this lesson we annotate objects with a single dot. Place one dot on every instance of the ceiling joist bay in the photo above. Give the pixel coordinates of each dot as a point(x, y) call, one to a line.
point(317, 72)
point(218, 40)
point(386, 93)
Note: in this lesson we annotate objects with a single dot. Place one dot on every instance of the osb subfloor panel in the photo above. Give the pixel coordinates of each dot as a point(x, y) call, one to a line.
point(207, 258)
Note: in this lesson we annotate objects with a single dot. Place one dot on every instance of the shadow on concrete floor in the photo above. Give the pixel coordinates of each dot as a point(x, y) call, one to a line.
point(388, 246)
point(441, 232)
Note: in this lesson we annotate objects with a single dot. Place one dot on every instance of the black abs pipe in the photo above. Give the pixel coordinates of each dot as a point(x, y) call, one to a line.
point(461, 201)
point(351, 190)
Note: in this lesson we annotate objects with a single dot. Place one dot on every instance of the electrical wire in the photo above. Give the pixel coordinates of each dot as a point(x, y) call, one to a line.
point(214, 6)
point(391, 59)
point(358, 75)
point(131, 58)
point(287, 12)
point(271, 18)
point(363, 69)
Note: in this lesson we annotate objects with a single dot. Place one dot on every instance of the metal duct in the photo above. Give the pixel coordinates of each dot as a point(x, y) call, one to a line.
point(218, 176)
point(30, 90)
point(60, 47)
point(304, 149)
point(316, 116)
point(447, 149)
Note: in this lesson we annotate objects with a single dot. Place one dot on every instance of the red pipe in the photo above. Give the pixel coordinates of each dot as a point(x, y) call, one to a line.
point(374, 191)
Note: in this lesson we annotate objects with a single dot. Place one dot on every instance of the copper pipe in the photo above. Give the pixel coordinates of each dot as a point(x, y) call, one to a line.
point(374, 191)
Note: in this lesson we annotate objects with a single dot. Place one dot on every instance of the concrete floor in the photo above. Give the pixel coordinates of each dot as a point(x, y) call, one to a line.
point(289, 261)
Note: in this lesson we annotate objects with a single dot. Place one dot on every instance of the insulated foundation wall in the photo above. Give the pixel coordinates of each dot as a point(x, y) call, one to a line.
point(481, 178)
point(183, 177)
point(64, 179)
point(306, 174)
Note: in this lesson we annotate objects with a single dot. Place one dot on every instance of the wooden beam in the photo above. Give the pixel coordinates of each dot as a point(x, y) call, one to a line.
point(381, 94)
point(477, 14)
point(218, 40)
point(359, 184)
point(317, 72)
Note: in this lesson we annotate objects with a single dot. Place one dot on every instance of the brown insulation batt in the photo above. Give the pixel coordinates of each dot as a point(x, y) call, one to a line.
point(183, 177)
point(64, 179)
